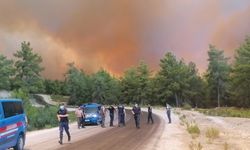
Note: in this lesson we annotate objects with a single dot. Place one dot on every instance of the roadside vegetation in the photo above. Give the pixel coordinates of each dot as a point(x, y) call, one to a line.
point(227, 112)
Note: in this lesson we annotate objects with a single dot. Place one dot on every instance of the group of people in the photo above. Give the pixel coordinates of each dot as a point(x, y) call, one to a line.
point(136, 111)
point(62, 116)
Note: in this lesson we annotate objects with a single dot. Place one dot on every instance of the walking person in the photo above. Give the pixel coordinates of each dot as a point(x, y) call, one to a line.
point(62, 116)
point(136, 111)
point(150, 114)
point(111, 115)
point(79, 116)
point(121, 115)
point(103, 115)
point(168, 109)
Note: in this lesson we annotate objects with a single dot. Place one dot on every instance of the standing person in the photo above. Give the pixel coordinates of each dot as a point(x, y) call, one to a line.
point(111, 114)
point(103, 114)
point(136, 111)
point(121, 115)
point(168, 109)
point(83, 117)
point(150, 114)
point(79, 116)
point(62, 116)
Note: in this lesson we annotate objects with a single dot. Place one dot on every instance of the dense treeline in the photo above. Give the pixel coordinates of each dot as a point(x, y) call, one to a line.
point(176, 82)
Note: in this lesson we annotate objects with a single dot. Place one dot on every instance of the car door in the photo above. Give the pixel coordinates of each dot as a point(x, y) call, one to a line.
point(2, 127)
point(4, 142)
point(9, 126)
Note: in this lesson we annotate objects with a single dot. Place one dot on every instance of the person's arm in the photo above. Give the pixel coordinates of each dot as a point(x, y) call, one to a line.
point(66, 114)
point(58, 116)
point(133, 111)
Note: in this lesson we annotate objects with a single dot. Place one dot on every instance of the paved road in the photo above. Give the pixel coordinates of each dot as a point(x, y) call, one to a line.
point(123, 138)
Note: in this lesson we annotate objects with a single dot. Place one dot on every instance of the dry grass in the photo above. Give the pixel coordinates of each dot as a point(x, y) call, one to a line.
point(195, 146)
point(212, 133)
point(193, 128)
point(226, 146)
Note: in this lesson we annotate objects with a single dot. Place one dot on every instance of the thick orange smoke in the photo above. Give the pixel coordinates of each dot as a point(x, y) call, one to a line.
point(116, 35)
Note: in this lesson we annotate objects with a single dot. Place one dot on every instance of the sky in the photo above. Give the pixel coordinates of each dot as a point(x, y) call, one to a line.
point(118, 34)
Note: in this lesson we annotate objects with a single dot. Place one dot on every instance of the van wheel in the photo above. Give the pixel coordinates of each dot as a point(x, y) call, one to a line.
point(20, 143)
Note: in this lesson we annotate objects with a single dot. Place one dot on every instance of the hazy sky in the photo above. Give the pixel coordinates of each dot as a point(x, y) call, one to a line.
point(118, 34)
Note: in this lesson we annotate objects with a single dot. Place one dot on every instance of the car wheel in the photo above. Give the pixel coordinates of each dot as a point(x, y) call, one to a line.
point(20, 143)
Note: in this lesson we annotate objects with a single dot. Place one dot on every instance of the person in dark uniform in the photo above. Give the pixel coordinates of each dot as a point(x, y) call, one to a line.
point(168, 109)
point(111, 114)
point(62, 116)
point(150, 114)
point(136, 111)
point(121, 115)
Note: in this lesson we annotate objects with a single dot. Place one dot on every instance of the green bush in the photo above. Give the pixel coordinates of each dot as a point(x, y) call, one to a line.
point(40, 118)
point(187, 106)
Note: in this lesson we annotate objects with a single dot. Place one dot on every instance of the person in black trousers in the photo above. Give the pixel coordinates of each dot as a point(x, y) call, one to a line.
point(121, 115)
point(136, 111)
point(168, 109)
point(150, 114)
point(111, 114)
point(62, 116)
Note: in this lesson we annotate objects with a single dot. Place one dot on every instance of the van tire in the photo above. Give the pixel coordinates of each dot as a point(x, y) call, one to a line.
point(20, 143)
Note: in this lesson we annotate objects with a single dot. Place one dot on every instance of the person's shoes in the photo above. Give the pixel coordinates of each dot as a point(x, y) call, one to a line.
point(60, 142)
point(69, 138)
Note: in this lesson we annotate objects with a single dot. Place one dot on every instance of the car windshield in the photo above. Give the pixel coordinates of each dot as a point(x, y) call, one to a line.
point(91, 109)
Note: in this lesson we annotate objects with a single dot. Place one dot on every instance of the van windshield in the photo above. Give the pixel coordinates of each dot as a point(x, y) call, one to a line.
point(91, 110)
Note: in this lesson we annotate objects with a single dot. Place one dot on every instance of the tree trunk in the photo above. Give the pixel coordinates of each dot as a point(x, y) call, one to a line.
point(176, 100)
point(218, 95)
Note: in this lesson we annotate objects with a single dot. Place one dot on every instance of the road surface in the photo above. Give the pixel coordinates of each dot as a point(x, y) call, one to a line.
point(159, 136)
point(123, 138)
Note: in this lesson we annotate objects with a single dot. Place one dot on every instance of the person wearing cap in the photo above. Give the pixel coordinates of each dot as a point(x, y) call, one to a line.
point(136, 111)
point(62, 116)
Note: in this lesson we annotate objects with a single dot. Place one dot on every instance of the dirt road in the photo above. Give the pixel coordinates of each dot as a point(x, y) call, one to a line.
point(159, 136)
point(122, 138)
